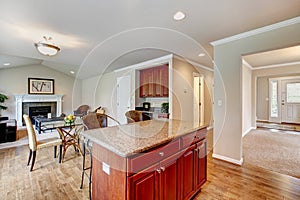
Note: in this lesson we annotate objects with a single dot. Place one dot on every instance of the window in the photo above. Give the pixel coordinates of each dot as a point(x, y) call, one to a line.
point(293, 92)
point(274, 99)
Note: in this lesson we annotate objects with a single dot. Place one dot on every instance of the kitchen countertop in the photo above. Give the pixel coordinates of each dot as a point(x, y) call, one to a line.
point(152, 112)
point(127, 140)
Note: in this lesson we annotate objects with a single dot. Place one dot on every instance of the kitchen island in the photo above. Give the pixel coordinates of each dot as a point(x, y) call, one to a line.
point(154, 159)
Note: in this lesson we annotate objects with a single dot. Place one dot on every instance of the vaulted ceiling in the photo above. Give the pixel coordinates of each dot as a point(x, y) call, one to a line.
point(106, 35)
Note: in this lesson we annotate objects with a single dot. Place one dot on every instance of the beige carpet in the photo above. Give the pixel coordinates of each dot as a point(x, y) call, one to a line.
point(274, 150)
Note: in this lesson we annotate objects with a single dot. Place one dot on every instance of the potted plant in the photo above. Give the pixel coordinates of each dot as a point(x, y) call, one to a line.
point(165, 107)
point(2, 100)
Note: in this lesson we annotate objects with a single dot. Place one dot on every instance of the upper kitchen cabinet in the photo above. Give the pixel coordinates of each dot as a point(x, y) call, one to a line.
point(146, 83)
point(154, 82)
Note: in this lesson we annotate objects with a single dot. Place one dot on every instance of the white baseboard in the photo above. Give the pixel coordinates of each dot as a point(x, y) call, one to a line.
point(247, 131)
point(227, 159)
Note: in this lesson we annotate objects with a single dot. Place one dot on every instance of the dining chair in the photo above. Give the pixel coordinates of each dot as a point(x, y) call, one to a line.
point(35, 145)
point(81, 110)
point(136, 116)
point(92, 121)
point(70, 136)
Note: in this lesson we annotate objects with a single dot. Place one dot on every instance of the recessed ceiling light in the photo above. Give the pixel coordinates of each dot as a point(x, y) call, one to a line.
point(6, 64)
point(179, 16)
point(72, 72)
point(201, 54)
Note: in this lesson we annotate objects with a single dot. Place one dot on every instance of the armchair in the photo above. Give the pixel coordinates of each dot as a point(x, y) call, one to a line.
point(8, 129)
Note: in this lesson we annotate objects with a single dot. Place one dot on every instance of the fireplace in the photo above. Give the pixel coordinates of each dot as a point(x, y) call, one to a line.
point(39, 112)
point(25, 101)
point(38, 109)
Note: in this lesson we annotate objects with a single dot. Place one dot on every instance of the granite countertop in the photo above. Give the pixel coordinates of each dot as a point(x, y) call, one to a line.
point(153, 112)
point(127, 140)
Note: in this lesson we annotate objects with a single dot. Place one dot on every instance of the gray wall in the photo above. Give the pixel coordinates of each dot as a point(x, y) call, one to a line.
point(228, 85)
point(14, 81)
point(101, 90)
point(183, 92)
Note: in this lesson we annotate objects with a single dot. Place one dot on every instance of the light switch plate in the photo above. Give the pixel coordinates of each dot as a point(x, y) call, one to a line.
point(106, 168)
point(220, 102)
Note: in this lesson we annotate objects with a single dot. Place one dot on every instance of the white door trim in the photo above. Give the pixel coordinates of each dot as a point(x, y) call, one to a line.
point(200, 102)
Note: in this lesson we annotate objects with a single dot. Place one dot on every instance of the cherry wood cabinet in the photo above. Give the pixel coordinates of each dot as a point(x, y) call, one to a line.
point(165, 80)
point(144, 185)
point(154, 82)
point(159, 181)
point(146, 83)
point(175, 170)
point(200, 164)
point(188, 164)
point(194, 169)
point(170, 178)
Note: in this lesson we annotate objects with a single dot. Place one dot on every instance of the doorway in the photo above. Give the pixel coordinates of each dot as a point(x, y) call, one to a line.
point(123, 98)
point(198, 103)
point(284, 95)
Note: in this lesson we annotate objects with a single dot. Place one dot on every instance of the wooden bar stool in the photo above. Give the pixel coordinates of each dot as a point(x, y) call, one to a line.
point(91, 121)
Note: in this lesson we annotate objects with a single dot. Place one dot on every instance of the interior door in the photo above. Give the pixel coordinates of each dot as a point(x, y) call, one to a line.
point(123, 98)
point(290, 101)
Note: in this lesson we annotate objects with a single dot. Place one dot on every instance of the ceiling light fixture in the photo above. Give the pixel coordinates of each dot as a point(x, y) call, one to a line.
point(47, 47)
point(179, 16)
point(6, 64)
point(201, 54)
point(72, 72)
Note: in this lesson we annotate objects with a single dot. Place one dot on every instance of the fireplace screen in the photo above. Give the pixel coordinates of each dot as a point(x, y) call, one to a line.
point(39, 112)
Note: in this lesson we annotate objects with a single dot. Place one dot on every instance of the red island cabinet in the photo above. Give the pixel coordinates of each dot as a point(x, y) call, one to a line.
point(175, 170)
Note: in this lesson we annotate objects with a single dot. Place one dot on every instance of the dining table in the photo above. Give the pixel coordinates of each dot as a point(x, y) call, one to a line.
point(69, 133)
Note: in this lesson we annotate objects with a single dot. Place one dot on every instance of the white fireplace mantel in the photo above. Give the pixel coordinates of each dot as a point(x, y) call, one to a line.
point(21, 98)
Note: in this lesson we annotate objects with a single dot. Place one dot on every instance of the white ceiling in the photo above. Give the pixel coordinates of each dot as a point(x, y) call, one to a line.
point(95, 36)
point(278, 57)
point(15, 61)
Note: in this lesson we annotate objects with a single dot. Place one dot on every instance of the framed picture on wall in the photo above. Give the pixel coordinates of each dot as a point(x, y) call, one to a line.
point(40, 86)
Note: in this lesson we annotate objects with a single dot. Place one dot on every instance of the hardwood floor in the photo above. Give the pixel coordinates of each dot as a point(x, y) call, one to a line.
point(51, 180)
point(228, 181)
point(48, 180)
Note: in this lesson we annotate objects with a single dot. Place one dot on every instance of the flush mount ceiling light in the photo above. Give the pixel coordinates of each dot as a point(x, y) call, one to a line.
point(47, 47)
point(179, 16)
point(201, 54)
point(6, 64)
